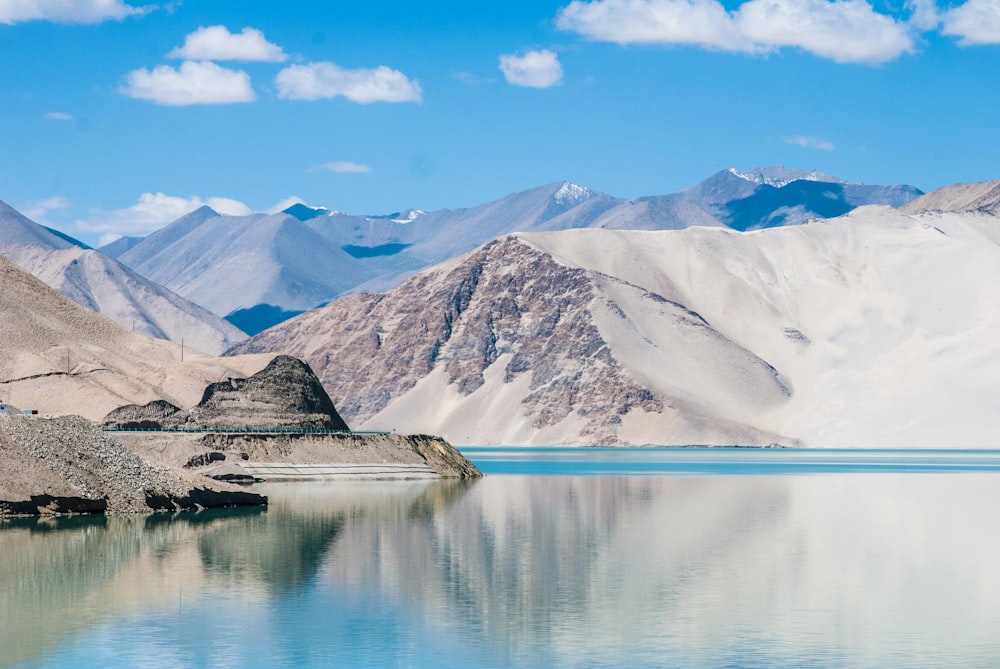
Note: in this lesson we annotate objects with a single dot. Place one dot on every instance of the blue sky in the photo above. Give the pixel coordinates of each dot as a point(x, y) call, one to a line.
point(117, 117)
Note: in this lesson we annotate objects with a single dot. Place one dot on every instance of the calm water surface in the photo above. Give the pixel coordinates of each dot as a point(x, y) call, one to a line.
point(627, 558)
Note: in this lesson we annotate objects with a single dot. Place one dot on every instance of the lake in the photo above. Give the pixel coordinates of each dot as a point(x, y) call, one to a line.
point(559, 557)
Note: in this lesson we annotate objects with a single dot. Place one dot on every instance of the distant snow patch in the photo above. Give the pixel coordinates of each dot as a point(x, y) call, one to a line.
point(572, 194)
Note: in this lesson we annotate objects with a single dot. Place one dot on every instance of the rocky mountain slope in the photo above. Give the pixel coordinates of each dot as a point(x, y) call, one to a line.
point(104, 285)
point(873, 329)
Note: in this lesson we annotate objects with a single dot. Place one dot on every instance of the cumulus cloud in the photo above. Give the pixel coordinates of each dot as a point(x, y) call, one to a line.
point(153, 211)
point(323, 80)
point(974, 23)
point(696, 22)
point(536, 69)
point(57, 116)
point(810, 142)
point(342, 167)
point(66, 11)
point(845, 31)
point(193, 83)
point(217, 43)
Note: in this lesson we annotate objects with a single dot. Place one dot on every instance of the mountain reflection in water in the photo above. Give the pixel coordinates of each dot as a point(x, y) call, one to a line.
point(832, 570)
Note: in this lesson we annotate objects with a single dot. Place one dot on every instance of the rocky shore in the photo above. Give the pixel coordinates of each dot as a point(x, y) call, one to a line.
point(68, 465)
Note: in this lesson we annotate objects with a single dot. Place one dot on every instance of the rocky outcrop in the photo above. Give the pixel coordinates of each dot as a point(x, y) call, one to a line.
point(284, 395)
point(153, 415)
point(442, 457)
point(68, 465)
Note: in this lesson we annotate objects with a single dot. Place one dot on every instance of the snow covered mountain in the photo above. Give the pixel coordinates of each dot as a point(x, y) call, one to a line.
point(104, 285)
point(875, 329)
point(767, 197)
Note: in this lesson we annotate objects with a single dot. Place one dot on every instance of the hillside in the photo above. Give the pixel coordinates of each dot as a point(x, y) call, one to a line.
point(983, 196)
point(104, 285)
point(873, 329)
point(61, 358)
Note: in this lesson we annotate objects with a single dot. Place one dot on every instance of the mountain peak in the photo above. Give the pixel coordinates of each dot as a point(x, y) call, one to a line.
point(570, 193)
point(779, 175)
point(304, 212)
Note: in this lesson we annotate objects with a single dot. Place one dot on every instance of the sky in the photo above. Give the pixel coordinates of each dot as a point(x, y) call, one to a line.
point(117, 117)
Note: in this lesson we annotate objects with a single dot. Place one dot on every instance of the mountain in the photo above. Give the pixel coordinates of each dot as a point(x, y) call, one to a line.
point(233, 263)
point(768, 197)
point(104, 285)
point(118, 247)
point(983, 196)
point(61, 358)
point(874, 329)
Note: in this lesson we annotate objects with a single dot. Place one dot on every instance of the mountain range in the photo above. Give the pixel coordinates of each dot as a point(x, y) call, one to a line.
point(878, 328)
point(261, 269)
point(104, 285)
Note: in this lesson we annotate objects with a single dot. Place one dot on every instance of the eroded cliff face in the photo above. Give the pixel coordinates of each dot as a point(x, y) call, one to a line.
point(509, 332)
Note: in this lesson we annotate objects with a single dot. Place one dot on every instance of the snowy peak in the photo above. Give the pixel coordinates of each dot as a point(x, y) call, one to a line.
point(572, 194)
point(408, 216)
point(779, 176)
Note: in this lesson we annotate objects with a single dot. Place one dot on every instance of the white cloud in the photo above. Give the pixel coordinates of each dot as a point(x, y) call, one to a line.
point(39, 209)
point(153, 211)
point(217, 43)
point(342, 167)
point(317, 81)
point(698, 22)
point(845, 31)
point(66, 11)
point(57, 116)
point(536, 69)
point(810, 143)
point(973, 23)
point(194, 83)
point(924, 14)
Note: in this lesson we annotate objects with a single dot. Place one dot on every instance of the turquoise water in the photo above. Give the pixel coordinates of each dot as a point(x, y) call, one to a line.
point(665, 557)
